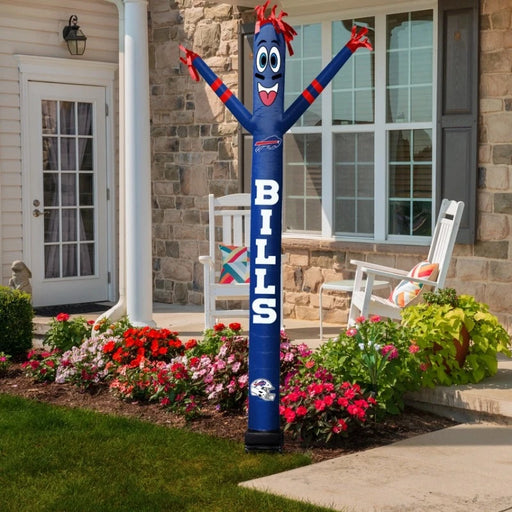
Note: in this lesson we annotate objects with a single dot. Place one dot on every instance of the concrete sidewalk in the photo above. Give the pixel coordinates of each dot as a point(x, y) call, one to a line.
point(466, 468)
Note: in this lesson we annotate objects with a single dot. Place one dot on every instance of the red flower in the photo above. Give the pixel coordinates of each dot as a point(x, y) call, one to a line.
point(301, 411)
point(319, 405)
point(235, 326)
point(109, 346)
point(62, 317)
point(360, 319)
point(90, 322)
point(289, 415)
point(375, 318)
point(343, 402)
point(190, 344)
point(328, 400)
point(219, 327)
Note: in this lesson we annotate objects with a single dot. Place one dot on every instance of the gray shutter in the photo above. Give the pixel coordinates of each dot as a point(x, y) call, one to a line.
point(457, 108)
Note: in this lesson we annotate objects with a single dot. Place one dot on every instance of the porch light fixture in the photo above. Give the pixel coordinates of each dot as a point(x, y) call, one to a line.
point(74, 37)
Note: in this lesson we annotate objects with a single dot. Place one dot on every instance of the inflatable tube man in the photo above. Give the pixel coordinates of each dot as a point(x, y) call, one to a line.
point(268, 123)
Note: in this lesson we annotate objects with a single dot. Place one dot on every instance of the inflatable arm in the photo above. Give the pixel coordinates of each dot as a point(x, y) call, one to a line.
point(197, 64)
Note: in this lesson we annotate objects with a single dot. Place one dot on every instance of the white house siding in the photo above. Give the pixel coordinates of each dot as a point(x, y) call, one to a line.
point(35, 28)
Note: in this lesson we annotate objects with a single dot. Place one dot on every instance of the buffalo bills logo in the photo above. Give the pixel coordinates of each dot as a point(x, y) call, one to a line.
point(270, 143)
point(262, 388)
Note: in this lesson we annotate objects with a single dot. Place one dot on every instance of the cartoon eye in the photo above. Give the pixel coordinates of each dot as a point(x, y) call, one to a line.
point(262, 59)
point(275, 59)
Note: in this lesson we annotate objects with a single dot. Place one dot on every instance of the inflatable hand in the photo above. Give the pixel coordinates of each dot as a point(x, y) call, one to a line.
point(357, 41)
point(189, 61)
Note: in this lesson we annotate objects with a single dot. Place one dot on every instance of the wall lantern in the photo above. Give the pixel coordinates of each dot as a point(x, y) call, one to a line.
point(74, 37)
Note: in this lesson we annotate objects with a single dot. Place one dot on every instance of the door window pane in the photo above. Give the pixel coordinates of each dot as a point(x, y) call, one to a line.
point(69, 260)
point(69, 225)
point(49, 116)
point(50, 154)
point(67, 118)
point(86, 224)
point(86, 189)
point(86, 259)
point(68, 189)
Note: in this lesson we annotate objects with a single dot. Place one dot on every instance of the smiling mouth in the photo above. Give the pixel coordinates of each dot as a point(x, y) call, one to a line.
point(267, 94)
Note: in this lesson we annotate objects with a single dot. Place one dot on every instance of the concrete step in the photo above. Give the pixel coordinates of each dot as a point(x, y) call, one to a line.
point(489, 400)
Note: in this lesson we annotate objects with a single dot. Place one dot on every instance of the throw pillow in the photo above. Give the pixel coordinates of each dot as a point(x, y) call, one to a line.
point(235, 264)
point(406, 291)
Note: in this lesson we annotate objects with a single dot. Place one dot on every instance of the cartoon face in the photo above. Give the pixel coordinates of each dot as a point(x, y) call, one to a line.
point(269, 55)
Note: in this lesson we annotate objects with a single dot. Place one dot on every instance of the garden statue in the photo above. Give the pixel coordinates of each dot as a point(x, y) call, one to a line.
point(268, 123)
point(20, 277)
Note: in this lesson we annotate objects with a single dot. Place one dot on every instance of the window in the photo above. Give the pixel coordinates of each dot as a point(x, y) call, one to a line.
point(359, 164)
point(396, 131)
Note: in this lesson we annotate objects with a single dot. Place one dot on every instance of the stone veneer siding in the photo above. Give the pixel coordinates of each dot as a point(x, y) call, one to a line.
point(195, 153)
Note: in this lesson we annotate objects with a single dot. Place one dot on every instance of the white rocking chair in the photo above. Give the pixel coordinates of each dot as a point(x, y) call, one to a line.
point(365, 303)
point(235, 214)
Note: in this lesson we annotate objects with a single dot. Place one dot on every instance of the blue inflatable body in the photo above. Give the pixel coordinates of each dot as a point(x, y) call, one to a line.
point(268, 123)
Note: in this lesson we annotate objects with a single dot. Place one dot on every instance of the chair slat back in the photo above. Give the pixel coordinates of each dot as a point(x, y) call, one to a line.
point(229, 222)
point(443, 238)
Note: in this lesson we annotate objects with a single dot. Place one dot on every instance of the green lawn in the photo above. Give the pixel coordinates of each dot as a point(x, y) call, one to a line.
point(63, 460)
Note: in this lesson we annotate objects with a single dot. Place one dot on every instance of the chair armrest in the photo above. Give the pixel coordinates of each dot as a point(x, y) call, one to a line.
point(207, 260)
point(400, 276)
point(366, 265)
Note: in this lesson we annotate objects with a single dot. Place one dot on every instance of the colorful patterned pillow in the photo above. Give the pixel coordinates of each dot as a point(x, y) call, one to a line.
point(406, 291)
point(235, 264)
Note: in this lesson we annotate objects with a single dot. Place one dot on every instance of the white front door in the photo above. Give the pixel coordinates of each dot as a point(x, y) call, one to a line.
point(68, 193)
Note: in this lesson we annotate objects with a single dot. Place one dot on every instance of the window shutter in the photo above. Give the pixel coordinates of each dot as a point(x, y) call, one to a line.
point(457, 108)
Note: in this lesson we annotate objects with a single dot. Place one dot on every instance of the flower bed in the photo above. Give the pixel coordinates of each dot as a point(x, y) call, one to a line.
point(345, 387)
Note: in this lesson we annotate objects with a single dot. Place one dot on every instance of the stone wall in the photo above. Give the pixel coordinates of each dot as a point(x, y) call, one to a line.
point(195, 153)
point(194, 138)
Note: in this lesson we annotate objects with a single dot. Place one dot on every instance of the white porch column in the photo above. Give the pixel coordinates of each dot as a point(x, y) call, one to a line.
point(138, 259)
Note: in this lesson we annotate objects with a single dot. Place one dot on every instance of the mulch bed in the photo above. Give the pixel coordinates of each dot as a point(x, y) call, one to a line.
point(230, 426)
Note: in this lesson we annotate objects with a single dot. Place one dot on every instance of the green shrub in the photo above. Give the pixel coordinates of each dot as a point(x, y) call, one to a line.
point(16, 316)
point(440, 326)
point(378, 355)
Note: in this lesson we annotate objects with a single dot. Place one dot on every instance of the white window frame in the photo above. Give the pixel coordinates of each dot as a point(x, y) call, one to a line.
point(380, 128)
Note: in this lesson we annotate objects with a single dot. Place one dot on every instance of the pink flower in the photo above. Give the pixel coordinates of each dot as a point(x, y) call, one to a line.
point(390, 351)
point(62, 317)
point(360, 319)
point(375, 318)
point(413, 348)
point(351, 332)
